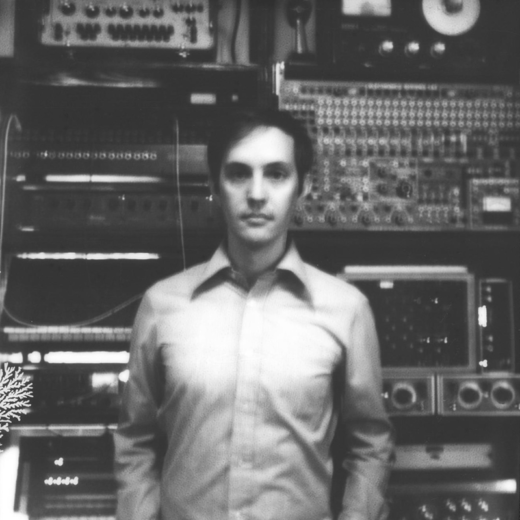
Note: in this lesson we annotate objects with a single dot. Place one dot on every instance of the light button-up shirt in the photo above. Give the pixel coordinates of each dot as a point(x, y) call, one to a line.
point(234, 397)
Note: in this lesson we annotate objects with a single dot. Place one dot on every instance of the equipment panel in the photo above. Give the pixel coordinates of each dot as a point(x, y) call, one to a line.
point(60, 473)
point(425, 317)
point(484, 395)
point(183, 26)
point(398, 156)
point(427, 40)
point(412, 395)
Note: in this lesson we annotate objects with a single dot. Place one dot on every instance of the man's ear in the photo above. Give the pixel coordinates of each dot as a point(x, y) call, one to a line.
point(307, 185)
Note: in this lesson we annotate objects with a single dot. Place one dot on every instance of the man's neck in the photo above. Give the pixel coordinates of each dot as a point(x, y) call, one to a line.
point(252, 262)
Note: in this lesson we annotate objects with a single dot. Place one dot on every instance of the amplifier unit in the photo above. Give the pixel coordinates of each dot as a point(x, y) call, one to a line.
point(58, 472)
point(183, 26)
point(478, 395)
point(73, 394)
point(92, 209)
point(471, 501)
point(453, 481)
point(443, 457)
point(425, 316)
point(414, 395)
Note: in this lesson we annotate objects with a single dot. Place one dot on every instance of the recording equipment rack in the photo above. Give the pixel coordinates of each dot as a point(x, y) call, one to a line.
point(110, 180)
point(434, 361)
point(407, 156)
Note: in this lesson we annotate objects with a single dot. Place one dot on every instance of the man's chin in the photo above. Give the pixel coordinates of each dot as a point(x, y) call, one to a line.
point(256, 239)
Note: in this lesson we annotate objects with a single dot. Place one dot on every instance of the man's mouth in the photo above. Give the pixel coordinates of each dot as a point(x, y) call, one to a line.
point(256, 217)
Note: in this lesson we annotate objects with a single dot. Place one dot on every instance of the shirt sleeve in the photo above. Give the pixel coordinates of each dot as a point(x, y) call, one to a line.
point(370, 446)
point(137, 440)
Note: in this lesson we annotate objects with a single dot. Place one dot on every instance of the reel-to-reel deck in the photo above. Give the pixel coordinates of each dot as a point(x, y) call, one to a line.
point(425, 40)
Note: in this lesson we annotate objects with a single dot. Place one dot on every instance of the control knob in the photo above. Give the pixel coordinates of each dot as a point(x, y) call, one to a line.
point(365, 218)
point(158, 12)
point(298, 219)
point(399, 218)
point(125, 11)
point(68, 8)
point(382, 188)
point(450, 506)
point(403, 396)
point(465, 505)
point(386, 47)
point(425, 512)
point(502, 395)
point(92, 11)
point(404, 190)
point(483, 505)
point(438, 49)
point(469, 395)
point(412, 48)
point(332, 219)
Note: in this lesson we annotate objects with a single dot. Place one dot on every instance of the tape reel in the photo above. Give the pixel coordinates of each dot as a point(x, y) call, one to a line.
point(451, 17)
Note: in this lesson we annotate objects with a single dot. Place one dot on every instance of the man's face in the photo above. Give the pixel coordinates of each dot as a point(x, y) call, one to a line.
point(258, 188)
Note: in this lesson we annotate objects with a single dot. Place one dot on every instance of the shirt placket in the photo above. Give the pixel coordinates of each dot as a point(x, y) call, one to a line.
point(241, 480)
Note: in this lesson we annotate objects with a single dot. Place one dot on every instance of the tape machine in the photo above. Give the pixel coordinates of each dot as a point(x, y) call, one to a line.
point(425, 40)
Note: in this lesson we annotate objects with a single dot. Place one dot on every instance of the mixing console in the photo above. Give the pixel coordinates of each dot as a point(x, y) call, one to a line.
point(408, 156)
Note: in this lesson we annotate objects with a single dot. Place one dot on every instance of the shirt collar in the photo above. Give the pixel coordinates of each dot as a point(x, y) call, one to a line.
point(291, 263)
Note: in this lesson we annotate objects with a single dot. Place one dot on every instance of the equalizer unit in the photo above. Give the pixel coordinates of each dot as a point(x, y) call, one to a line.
point(111, 179)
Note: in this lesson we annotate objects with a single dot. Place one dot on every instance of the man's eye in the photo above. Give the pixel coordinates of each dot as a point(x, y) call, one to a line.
point(237, 174)
point(277, 174)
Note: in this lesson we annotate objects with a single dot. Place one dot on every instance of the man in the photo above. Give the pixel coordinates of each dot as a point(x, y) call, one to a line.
point(240, 368)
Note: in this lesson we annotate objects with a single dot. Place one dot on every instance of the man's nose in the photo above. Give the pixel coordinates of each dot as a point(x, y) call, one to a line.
point(257, 187)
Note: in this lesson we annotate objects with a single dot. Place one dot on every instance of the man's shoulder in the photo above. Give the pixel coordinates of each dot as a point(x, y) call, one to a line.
point(180, 284)
point(331, 289)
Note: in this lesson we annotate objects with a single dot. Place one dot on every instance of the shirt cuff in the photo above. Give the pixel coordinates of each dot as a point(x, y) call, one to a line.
point(362, 500)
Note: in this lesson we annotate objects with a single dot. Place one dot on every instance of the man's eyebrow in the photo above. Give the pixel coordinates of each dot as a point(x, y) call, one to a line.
point(275, 164)
point(236, 163)
point(278, 164)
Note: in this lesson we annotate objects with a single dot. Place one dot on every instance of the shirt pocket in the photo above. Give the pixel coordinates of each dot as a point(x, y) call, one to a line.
point(298, 376)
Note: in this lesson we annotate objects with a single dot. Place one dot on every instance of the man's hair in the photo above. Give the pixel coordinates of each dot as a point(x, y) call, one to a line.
point(233, 128)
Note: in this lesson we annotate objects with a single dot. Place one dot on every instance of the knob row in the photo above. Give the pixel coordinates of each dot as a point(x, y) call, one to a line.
point(126, 11)
point(136, 32)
